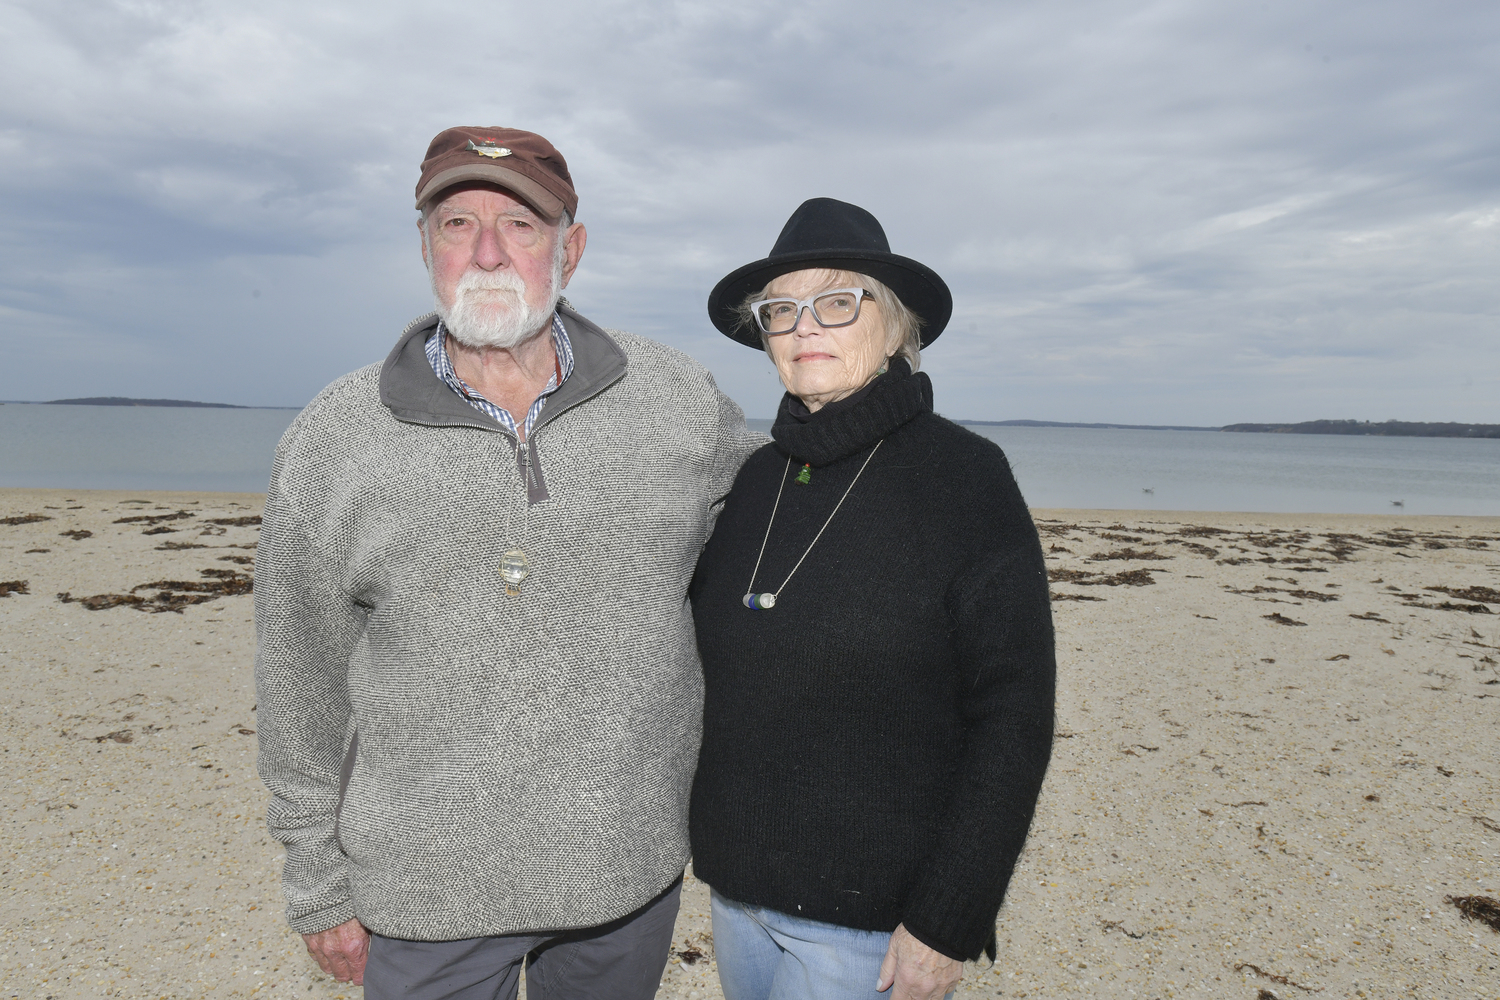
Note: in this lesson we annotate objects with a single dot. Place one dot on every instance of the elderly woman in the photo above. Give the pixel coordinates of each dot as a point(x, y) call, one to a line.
point(873, 619)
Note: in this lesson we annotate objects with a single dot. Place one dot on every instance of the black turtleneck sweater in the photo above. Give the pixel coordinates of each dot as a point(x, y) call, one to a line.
point(874, 744)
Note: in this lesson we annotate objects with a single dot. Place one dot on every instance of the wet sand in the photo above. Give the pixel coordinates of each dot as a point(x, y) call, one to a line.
point(1275, 760)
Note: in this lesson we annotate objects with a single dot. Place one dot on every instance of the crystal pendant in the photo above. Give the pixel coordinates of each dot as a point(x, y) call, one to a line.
point(759, 602)
point(514, 567)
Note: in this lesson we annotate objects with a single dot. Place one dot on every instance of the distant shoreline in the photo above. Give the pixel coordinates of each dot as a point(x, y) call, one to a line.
point(1358, 428)
point(1062, 423)
point(128, 401)
point(1364, 428)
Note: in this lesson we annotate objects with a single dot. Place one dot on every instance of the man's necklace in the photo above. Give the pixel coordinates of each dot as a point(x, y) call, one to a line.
point(764, 602)
point(514, 566)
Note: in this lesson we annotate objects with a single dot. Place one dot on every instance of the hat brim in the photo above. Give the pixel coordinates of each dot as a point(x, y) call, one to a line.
point(545, 202)
point(917, 286)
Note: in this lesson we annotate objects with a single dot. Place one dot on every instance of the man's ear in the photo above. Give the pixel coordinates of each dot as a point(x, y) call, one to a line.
point(422, 231)
point(575, 241)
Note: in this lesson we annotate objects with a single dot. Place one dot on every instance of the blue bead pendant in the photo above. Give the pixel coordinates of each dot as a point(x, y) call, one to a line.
point(759, 602)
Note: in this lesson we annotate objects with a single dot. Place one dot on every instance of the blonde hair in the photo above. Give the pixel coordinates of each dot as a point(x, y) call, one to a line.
point(902, 327)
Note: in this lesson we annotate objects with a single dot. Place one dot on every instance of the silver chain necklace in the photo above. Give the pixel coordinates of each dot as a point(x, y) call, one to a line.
point(514, 566)
point(764, 602)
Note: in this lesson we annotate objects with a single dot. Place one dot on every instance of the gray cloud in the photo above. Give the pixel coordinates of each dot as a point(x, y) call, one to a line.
point(1166, 212)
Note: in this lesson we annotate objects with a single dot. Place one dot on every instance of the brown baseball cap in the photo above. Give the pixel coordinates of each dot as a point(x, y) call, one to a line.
point(522, 162)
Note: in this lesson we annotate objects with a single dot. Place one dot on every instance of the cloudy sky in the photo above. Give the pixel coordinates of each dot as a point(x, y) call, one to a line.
point(1149, 212)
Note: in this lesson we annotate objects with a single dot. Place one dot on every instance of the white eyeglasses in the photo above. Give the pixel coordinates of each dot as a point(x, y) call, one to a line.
point(838, 307)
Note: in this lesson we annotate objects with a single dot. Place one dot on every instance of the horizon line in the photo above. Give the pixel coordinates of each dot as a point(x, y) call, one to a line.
point(1270, 426)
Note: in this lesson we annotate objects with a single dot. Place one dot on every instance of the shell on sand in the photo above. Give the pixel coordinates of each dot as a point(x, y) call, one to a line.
point(1274, 760)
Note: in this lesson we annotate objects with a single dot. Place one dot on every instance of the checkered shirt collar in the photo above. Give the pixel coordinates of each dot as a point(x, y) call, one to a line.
point(442, 366)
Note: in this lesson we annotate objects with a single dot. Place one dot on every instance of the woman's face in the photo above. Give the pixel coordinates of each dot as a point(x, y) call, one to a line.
point(819, 365)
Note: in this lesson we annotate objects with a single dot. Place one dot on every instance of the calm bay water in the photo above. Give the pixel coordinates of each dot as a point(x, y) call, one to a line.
point(170, 448)
point(1291, 473)
point(139, 447)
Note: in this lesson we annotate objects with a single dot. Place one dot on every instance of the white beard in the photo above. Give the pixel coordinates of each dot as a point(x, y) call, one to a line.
point(490, 308)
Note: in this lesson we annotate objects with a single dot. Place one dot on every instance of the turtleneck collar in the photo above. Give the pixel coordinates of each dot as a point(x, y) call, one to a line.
point(850, 425)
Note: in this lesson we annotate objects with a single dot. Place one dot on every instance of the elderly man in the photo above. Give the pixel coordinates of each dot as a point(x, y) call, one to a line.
point(479, 694)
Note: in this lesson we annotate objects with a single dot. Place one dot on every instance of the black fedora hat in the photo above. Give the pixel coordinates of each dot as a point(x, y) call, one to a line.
point(834, 234)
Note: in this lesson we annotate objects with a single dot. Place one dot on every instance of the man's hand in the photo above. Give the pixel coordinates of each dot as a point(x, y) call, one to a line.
point(916, 971)
point(342, 951)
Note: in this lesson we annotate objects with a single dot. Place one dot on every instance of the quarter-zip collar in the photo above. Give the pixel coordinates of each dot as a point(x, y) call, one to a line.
point(414, 394)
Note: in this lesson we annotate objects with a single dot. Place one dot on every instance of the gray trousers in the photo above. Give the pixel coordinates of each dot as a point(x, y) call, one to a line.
point(620, 960)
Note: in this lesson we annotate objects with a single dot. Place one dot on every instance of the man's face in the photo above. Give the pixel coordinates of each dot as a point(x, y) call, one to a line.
point(497, 267)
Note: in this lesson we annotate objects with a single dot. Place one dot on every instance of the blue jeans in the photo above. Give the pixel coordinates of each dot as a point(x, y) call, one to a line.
point(768, 955)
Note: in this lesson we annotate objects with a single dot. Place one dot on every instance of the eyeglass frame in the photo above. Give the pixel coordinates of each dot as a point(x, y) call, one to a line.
point(807, 303)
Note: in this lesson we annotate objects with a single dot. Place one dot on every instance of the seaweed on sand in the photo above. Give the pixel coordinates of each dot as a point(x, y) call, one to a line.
point(1206, 551)
point(225, 582)
point(154, 519)
point(1201, 531)
point(1128, 553)
point(1473, 609)
point(1307, 595)
point(1488, 595)
point(102, 602)
point(171, 595)
point(1481, 909)
point(1314, 595)
point(1129, 578)
point(1084, 578)
point(1341, 545)
point(1273, 977)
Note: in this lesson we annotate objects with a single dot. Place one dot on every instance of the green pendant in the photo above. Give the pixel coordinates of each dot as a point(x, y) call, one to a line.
point(805, 476)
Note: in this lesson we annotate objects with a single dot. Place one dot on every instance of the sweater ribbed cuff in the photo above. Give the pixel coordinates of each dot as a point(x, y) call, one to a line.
point(322, 920)
point(953, 923)
point(938, 946)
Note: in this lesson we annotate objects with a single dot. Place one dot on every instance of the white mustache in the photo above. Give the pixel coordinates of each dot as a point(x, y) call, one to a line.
point(490, 281)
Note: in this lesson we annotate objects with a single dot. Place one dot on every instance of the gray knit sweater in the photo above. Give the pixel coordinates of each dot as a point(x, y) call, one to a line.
point(448, 762)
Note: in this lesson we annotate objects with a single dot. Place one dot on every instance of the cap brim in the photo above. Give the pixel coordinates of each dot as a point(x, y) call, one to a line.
point(918, 287)
point(538, 197)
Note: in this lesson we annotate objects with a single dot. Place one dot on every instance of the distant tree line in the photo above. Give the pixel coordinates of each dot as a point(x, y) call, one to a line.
point(1388, 428)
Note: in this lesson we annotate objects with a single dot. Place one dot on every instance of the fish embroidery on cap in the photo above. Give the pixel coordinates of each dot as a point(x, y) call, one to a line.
point(488, 148)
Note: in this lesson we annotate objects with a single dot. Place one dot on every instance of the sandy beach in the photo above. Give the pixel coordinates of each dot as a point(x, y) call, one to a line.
point(1275, 761)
